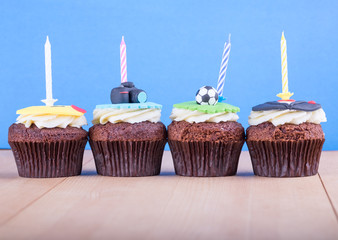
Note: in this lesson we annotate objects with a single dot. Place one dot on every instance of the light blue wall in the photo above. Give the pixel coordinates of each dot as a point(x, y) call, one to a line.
point(172, 50)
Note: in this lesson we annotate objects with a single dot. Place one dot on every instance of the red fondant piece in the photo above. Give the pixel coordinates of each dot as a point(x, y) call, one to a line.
point(289, 100)
point(312, 102)
point(78, 109)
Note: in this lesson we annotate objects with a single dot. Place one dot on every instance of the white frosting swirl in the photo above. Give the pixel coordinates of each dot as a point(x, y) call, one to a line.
point(279, 117)
point(114, 115)
point(51, 121)
point(179, 114)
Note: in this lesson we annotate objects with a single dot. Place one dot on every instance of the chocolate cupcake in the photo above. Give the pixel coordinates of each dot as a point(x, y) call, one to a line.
point(48, 141)
point(127, 138)
point(285, 138)
point(204, 138)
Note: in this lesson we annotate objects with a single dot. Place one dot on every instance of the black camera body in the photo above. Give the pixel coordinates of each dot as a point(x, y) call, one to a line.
point(127, 93)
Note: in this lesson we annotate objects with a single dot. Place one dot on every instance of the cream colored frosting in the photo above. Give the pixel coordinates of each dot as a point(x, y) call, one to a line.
point(180, 114)
point(279, 117)
point(51, 121)
point(114, 115)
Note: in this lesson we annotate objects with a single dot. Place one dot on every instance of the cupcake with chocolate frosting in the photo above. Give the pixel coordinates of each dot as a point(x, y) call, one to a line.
point(128, 137)
point(285, 138)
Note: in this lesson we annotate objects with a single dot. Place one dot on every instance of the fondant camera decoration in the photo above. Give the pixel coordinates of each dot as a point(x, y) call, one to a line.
point(127, 93)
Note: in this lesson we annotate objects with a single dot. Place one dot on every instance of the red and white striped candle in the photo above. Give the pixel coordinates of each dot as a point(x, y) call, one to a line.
point(123, 58)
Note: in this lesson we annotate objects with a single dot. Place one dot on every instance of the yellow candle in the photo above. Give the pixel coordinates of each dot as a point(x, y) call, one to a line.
point(284, 64)
point(285, 95)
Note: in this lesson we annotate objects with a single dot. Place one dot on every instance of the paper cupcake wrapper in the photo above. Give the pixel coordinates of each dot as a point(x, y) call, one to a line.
point(285, 158)
point(205, 159)
point(128, 158)
point(49, 159)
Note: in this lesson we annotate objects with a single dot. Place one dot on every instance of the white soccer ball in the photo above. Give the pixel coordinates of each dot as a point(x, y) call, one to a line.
point(206, 95)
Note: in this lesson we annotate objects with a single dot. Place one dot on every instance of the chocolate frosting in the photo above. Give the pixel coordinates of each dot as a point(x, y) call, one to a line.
point(297, 105)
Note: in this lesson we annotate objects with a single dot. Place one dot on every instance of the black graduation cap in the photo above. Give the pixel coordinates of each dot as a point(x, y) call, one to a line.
point(281, 105)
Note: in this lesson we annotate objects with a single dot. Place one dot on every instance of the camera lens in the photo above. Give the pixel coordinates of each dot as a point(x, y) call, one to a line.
point(137, 96)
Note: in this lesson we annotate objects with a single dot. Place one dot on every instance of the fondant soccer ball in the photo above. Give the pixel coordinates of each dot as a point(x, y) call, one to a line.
point(207, 96)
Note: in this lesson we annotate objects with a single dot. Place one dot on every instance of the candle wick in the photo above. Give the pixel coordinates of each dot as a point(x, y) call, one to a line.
point(229, 37)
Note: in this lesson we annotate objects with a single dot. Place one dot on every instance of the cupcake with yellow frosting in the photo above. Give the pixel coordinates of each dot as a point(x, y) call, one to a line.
point(48, 141)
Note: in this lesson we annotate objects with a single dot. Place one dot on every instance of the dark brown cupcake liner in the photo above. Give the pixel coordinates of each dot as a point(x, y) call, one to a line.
point(205, 159)
point(49, 159)
point(285, 158)
point(128, 158)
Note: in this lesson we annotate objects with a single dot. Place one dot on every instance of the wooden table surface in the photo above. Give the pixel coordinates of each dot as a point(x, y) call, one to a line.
point(169, 206)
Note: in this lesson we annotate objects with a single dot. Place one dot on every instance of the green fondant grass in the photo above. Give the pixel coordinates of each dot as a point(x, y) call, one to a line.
point(219, 107)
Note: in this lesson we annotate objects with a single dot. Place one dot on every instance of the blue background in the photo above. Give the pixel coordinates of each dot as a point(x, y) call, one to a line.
point(173, 48)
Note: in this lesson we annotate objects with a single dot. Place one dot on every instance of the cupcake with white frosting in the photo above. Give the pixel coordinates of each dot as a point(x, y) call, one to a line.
point(48, 141)
point(285, 138)
point(128, 137)
point(205, 138)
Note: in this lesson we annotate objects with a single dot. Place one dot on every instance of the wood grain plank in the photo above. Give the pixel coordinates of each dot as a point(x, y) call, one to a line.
point(169, 206)
point(17, 193)
point(328, 171)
